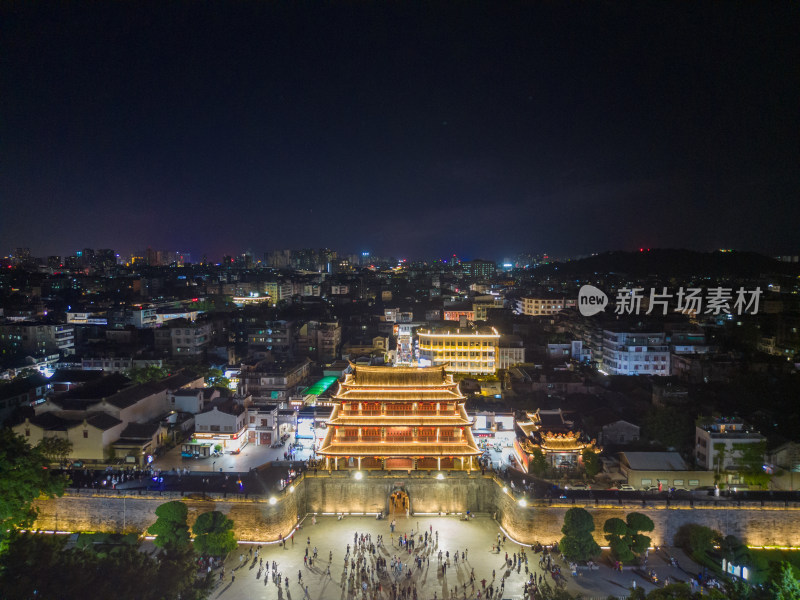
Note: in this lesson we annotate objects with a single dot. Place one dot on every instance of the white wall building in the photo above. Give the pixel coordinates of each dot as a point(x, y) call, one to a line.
point(635, 353)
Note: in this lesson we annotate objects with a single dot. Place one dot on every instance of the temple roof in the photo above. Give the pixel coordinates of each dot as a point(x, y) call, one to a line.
point(397, 376)
point(398, 395)
point(400, 420)
point(404, 449)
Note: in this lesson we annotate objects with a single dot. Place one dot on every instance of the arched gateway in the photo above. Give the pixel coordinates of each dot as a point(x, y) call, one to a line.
point(399, 503)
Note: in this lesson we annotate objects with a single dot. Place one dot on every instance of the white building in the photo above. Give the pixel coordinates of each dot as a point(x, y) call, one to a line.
point(635, 353)
point(718, 445)
point(224, 423)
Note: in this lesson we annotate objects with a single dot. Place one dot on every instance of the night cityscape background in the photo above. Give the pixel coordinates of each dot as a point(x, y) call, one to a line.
point(504, 277)
point(415, 130)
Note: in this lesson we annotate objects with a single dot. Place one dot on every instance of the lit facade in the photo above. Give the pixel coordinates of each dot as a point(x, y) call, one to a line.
point(549, 432)
point(399, 418)
point(540, 307)
point(464, 351)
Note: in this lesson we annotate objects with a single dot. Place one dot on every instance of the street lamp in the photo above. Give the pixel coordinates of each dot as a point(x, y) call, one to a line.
point(440, 476)
point(273, 501)
point(358, 475)
point(523, 503)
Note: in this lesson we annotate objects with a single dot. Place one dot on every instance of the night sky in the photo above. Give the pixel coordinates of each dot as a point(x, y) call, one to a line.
point(412, 129)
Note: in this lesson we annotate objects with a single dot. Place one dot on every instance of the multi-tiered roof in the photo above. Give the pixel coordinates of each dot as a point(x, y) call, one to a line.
point(400, 412)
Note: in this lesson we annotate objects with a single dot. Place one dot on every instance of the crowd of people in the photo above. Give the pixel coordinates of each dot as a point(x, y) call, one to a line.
point(370, 569)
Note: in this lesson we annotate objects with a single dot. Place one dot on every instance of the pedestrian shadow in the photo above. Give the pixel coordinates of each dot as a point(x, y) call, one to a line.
point(227, 587)
point(616, 583)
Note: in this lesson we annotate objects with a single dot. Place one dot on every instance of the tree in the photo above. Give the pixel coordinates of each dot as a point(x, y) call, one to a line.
point(591, 462)
point(145, 374)
point(171, 528)
point(696, 539)
point(38, 565)
point(213, 534)
point(751, 464)
point(786, 586)
point(215, 378)
point(538, 462)
point(638, 523)
point(616, 530)
point(671, 426)
point(626, 538)
point(578, 543)
point(24, 476)
point(56, 449)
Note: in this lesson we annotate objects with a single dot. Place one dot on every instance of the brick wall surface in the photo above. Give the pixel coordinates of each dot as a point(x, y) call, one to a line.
point(256, 519)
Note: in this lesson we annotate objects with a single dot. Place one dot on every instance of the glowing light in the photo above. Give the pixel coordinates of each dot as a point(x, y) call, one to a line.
point(359, 475)
point(291, 489)
point(523, 503)
point(440, 476)
point(273, 501)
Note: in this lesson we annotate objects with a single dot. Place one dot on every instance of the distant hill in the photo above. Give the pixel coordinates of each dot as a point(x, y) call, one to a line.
point(677, 263)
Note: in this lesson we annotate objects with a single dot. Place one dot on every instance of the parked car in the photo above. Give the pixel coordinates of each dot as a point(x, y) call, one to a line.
point(578, 486)
point(625, 487)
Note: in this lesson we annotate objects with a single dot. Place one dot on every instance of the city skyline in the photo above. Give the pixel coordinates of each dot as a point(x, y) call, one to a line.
point(416, 130)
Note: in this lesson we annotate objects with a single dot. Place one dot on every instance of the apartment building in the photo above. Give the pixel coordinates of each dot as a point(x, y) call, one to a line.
point(635, 353)
point(468, 351)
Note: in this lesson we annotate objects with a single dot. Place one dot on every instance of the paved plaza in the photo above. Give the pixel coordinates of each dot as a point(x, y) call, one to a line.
point(251, 457)
point(474, 537)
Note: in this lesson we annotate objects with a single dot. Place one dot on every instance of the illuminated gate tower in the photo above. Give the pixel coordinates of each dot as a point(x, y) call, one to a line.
point(399, 418)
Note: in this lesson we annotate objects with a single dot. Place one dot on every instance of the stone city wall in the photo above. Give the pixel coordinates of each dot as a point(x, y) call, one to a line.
point(257, 520)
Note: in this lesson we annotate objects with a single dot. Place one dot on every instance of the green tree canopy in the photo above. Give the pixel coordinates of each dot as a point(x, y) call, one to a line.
point(786, 586)
point(39, 565)
point(696, 539)
point(626, 538)
point(578, 543)
point(24, 476)
point(213, 534)
point(637, 524)
point(171, 528)
point(751, 464)
point(591, 462)
point(669, 425)
point(538, 462)
point(145, 374)
point(56, 449)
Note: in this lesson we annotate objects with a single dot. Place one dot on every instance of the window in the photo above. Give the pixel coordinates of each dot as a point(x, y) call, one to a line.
point(85, 433)
point(677, 482)
point(694, 482)
point(214, 428)
point(647, 482)
point(27, 433)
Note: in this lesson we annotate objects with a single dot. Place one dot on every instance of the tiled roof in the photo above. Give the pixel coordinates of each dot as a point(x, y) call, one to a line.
point(397, 376)
point(144, 431)
point(102, 420)
point(132, 395)
point(400, 395)
point(398, 420)
point(391, 449)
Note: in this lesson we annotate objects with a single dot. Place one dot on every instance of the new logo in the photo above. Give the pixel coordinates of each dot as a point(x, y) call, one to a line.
point(591, 300)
